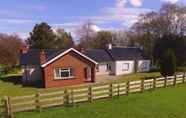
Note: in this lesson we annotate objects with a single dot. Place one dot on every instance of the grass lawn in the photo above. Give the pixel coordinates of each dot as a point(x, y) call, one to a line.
point(138, 76)
point(10, 85)
point(161, 103)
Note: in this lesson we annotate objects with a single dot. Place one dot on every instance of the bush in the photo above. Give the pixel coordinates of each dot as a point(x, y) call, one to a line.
point(181, 69)
point(168, 63)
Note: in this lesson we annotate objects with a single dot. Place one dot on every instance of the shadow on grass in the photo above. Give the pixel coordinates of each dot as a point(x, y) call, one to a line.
point(17, 80)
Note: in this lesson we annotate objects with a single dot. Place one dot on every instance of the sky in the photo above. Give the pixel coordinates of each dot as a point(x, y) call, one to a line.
point(20, 16)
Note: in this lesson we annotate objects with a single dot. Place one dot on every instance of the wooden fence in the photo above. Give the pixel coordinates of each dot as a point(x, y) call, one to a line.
point(73, 95)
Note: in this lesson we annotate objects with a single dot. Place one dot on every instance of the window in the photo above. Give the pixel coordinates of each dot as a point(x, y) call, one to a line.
point(61, 73)
point(108, 67)
point(144, 66)
point(125, 67)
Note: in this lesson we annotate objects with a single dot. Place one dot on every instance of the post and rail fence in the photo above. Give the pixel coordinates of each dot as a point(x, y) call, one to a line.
point(88, 93)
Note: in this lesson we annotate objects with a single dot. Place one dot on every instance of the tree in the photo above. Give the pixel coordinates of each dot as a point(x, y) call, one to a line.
point(86, 34)
point(152, 27)
point(42, 37)
point(10, 49)
point(120, 38)
point(63, 39)
point(172, 42)
point(168, 63)
point(103, 38)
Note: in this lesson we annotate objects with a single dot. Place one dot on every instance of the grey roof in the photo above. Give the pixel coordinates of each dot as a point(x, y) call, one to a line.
point(99, 55)
point(121, 53)
point(32, 57)
point(116, 53)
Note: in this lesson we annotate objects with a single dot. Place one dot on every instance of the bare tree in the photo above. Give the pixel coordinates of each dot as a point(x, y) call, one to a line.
point(120, 38)
point(86, 34)
point(10, 49)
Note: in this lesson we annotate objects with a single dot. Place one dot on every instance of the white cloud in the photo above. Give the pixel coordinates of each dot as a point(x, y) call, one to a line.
point(121, 3)
point(136, 3)
point(121, 13)
point(16, 21)
point(170, 1)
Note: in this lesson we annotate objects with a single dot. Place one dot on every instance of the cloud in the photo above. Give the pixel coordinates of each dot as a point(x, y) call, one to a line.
point(120, 13)
point(136, 3)
point(16, 21)
point(170, 1)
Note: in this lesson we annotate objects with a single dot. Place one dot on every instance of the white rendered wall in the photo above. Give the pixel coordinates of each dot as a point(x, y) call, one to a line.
point(120, 69)
point(144, 65)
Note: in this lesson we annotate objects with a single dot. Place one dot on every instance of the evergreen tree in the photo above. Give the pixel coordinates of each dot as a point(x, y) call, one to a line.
point(168, 63)
point(64, 39)
point(42, 37)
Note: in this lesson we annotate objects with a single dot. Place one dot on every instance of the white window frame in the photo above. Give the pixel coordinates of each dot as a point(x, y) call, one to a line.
point(63, 70)
point(108, 68)
point(125, 65)
point(144, 65)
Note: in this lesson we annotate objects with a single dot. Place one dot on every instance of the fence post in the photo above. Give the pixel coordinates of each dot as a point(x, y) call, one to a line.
point(72, 97)
point(111, 90)
point(66, 97)
point(38, 104)
point(128, 87)
point(90, 95)
point(118, 89)
point(142, 85)
point(8, 107)
point(165, 83)
point(154, 83)
point(175, 79)
point(183, 77)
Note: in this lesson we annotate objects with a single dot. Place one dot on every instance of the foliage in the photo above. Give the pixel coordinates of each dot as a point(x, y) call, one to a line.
point(154, 26)
point(42, 37)
point(161, 103)
point(172, 42)
point(63, 39)
point(103, 38)
point(181, 69)
point(10, 49)
point(168, 63)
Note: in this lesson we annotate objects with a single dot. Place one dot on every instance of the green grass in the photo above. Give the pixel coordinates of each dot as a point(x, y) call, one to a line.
point(138, 76)
point(161, 103)
point(10, 85)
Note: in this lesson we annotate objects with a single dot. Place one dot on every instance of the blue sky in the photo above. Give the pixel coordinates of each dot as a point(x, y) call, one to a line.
point(20, 16)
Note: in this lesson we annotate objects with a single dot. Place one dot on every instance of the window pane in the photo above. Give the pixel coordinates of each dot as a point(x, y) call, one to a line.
point(65, 74)
point(71, 72)
point(125, 67)
point(57, 73)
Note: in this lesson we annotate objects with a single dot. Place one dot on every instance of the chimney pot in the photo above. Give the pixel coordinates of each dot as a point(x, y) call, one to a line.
point(24, 49)
point(109, 46)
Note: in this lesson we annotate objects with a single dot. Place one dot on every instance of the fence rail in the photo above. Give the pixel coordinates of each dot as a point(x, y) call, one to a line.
point(71, 96)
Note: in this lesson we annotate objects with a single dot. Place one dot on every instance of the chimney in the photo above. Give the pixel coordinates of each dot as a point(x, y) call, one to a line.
point(82, 50)
point(141, 48)
point(42, 57)
point(24, 49)
point(109, 46)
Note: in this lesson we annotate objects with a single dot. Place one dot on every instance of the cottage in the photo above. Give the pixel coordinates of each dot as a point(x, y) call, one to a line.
point(57, 68)
point(64, 67)
point(119, 60)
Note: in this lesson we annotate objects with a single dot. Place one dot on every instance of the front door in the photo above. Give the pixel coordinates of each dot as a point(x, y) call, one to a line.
point(88, 74)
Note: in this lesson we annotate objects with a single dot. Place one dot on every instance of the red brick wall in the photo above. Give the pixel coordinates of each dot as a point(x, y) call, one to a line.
point(71, 60)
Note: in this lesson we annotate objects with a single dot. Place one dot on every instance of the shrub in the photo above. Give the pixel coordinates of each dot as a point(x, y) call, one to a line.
point(168, 63)
point(181, 69)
